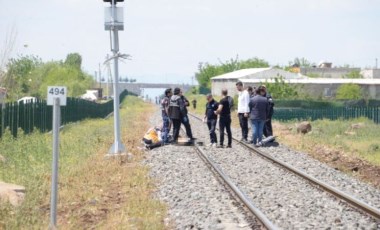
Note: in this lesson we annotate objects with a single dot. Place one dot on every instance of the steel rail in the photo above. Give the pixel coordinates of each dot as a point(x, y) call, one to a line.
point(242, 196)
point(336, 192)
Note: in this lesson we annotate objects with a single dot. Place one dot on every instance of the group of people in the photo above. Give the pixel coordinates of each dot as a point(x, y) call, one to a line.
point(254, 104)
point(257, 106)
point(174, 113)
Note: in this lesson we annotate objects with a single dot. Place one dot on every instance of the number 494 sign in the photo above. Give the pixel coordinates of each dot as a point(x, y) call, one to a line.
point(56, 91)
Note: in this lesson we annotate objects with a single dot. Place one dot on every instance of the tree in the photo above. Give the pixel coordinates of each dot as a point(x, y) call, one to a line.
point(279, 89)
point(354, 74)
point(6, 51)
point(74, 60)
point(349, 92)
point(19, 77)
point(206, 71)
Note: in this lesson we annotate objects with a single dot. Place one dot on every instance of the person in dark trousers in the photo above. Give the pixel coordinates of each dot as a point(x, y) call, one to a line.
point(268, 130)
point(243, 110)
point(259, 109)
point(211, 118)
point(164, 105)
point(176, 111)
point(194, 102)
point(224, 111)
point(185, 119)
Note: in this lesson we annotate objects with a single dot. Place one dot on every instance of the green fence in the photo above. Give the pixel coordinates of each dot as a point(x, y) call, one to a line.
point(371, 113)
point(37, 115)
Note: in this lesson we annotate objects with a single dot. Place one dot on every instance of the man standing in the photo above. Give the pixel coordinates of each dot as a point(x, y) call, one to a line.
point(185, 119)
point(259, 109)
point(176, 111)
point(224, 111)
point(243, 110)
point(194, 101)
point(211, 118)
point(268, 131)
point(165, 116)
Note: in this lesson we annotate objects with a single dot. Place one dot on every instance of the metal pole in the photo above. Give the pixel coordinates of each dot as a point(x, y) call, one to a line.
point(54, 176)
point(117, 147)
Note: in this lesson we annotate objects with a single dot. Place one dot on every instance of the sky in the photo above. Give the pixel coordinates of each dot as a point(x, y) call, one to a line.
point(168, 38)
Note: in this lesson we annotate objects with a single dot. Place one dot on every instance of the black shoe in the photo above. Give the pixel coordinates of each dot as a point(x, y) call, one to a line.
point(229, 146)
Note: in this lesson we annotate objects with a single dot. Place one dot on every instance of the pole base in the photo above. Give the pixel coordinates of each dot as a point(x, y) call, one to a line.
point(120, 148)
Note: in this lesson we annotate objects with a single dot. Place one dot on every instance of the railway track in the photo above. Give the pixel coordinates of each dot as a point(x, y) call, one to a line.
point(347, 198)
point(243, 198)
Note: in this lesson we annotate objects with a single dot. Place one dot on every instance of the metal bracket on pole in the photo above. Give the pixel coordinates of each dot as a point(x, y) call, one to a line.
point(54, 182)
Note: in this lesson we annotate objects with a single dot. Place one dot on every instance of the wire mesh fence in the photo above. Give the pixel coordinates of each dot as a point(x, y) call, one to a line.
point(284, 114)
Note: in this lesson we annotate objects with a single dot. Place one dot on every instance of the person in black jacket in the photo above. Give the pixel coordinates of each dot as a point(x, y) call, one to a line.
point(211, 118)
point(224, 111)
point(258, 114)
point(185, 119)
point(268, 131)
point(176, 111)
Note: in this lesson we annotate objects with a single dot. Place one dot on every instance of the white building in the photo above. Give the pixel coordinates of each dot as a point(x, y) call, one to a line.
point(317, 87)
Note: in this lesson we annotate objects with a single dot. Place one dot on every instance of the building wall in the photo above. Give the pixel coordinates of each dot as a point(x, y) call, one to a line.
point(314, 90)
point(218, 85)
point(370, 73)
point(327, 72)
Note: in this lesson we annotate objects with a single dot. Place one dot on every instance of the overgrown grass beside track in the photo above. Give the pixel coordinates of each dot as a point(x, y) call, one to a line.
point(93, 192)
point(357, 138)
point(333, 142)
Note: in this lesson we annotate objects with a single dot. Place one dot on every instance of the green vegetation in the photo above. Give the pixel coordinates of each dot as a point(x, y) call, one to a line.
point(348, 91)
point(354, 74)
point(279, 89)
point(206, 71)
point(29, 76)
point(88, 184)
point(361, 142)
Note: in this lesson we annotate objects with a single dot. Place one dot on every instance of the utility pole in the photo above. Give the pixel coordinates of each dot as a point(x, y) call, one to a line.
point(114, 24)
point(100, 77)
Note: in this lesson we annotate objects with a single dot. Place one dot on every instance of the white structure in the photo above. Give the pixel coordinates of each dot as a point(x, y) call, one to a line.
point(317, 87)
point(27, 100)
point(90, 95)
point(371, 73)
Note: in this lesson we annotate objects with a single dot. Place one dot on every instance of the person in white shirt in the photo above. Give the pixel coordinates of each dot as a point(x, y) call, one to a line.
point(243, 110)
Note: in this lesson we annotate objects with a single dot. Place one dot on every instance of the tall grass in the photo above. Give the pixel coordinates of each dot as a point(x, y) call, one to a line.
point(83, 173)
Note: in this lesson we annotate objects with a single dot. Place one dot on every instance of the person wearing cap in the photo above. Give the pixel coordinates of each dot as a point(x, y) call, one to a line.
point(243, 110)
point(268, 130)
point(176, 111)
point(164, 105)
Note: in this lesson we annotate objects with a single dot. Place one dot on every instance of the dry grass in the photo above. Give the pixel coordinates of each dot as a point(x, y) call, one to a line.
point(356, 152)
point(94, 192)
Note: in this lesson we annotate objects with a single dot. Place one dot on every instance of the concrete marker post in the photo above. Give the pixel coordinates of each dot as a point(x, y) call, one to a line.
point(54, 177)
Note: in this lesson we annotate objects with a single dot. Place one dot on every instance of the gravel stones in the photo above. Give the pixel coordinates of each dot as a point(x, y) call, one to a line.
point(195, 198)
point(287, 200)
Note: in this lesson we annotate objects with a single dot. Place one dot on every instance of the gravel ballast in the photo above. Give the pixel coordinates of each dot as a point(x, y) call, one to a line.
point(197, 200)
point(289, 201)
